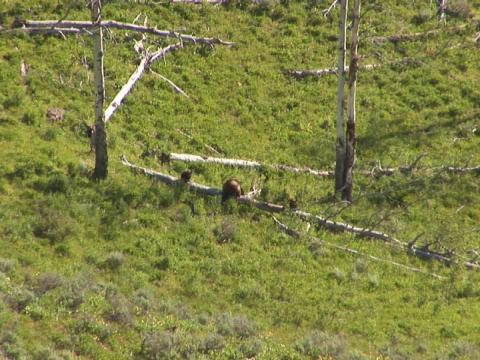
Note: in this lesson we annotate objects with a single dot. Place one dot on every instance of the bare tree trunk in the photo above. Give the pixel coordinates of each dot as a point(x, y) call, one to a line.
point(340, 147)
point(101, 154)
point(442, 6)
point(351, 115)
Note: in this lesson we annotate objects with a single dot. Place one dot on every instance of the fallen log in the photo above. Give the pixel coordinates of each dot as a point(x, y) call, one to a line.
point(411, 248)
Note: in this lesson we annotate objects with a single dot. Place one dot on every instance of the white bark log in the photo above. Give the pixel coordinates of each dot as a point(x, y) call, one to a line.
point(244, 163)
point(125, 26)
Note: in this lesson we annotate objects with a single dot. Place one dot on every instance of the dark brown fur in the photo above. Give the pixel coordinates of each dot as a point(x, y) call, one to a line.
point(293, 203)
point(231, 188)
point(186, 175)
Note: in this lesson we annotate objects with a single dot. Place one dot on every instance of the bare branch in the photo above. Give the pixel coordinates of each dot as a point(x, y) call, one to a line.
point(300, 74)
point(326, 12)
point(415, 36)
point(297, 235)
point(177, 89)
point(52, 25)
point(144, 63)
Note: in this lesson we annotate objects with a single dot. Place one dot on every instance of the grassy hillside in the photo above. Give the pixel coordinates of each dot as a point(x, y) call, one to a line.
point(133, 268)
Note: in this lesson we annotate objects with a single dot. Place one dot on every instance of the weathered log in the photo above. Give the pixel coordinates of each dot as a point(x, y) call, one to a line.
point(419, 251)
point(297, 235)
point(55, 25)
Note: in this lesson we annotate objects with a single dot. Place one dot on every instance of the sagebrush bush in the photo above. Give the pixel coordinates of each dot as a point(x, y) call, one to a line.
point(239, 326)
point(114, 260)
point(459, 8)
point(6, 265)
point(47, 282)
point(317, 344)
point(19, 299)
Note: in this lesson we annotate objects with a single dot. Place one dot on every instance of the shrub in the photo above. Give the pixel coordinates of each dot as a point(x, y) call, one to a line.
point(120, 310)
point(19, 299)
point(317, 344)
point(6, 265)
point(239, 326)
point(178, 310)
point(161, 345)
point(114, 260)
point(251, 348)
point(11, 346)
point(75, 290)
point(338, 275)
point(459, 8)
point(211, 342)
point(47, 282)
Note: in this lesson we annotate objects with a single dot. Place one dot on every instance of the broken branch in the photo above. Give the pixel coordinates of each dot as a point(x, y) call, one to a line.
point(54, 25)
point(297, 235)
point(144, 63)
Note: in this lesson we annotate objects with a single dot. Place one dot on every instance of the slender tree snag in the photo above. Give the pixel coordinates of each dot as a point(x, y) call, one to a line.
point(442, 6)
point(53, 25)
point(351, 114)
point(340, 123)
point(297, 235)
point(101, 154)
point(144, 64)
point(420, 251)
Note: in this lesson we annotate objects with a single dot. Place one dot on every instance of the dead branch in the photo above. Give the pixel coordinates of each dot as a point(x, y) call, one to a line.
point(54, 25)
point(322, 173)
point(326, 12)
point(168, 179)
point(420, 251)
point(297, 235)
point(47, 30)
point(300, 74)
point(244, 163)
point(415, 36)
point(177, 89)
point(210, 148)
point(144, 64)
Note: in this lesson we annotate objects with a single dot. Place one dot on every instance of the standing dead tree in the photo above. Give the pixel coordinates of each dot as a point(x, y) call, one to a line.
point(351, 114)
point(101, 151)
point(95, 28)
point(340, 123)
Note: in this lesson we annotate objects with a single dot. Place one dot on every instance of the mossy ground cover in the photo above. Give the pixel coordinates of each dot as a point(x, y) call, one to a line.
point(132, 268)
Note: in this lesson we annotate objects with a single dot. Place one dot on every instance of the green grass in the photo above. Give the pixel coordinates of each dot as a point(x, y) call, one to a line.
point(132, 268)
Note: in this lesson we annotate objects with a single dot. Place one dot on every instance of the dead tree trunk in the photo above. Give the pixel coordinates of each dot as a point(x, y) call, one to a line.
point(351, 114)
point(340, 124)
point(101, 154)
